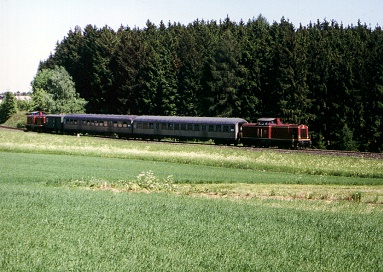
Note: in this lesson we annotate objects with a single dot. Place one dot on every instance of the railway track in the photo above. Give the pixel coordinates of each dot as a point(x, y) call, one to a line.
point(356, 154)
point(10, 128)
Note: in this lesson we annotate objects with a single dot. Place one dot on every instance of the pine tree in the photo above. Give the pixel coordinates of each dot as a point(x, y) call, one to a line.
point(8, 107)
point(96, 56)
point(126, 66)
point(190, 57)
point(225, 75)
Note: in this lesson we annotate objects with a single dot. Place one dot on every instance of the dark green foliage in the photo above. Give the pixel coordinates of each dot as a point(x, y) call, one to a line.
point(8, 107)
point(325, 75)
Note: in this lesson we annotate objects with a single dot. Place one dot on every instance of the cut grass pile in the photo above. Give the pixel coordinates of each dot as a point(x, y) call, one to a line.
point(69, 203)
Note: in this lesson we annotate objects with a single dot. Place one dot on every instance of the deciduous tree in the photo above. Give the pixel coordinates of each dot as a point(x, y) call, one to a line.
point(54, 92)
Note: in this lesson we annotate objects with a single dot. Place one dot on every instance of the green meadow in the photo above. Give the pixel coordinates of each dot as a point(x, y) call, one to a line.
point(95, 204)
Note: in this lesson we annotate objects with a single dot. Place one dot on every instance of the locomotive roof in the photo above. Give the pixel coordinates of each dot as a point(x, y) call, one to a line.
point(106, 117)
point(193, 120)
point(266, 119)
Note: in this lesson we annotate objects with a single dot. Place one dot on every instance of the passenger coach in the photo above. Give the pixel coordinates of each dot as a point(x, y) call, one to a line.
point(54, 123)
point(221, 130)
point(121, 125)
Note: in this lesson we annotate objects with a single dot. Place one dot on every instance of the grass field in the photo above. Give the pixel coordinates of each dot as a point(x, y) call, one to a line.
point(91, 204)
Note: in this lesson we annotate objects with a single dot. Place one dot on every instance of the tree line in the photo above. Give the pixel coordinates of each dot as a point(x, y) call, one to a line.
point(325, 75)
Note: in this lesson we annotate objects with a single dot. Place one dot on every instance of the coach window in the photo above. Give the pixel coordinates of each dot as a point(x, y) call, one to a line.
point(151, 125)
point(190, 127)
point(225, 128)
point(203, 127)
point(196, 127)
point(211, 128)
point(231, 128)
point(176, 126)
point(114, 124)
point(219, 128)
point(119, 124)
point(96, 123)
point(164, 126)
point(183, 126)
point(124, 125)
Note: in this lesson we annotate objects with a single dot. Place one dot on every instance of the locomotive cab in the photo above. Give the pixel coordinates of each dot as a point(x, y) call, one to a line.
point(36, 121)
point(272, 132)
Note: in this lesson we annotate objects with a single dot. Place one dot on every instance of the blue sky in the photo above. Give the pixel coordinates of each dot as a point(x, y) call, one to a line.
point(30, 29)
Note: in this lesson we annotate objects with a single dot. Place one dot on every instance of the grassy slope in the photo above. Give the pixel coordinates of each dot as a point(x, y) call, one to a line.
point(17, 121)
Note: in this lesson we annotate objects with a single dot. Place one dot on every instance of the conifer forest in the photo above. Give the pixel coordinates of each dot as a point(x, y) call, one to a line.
point(325, 75)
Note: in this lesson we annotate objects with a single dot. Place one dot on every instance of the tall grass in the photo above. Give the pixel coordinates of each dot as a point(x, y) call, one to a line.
point(51, 221)
point(59, 229)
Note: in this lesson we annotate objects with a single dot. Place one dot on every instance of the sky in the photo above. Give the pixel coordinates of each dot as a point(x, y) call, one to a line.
point(30, 29)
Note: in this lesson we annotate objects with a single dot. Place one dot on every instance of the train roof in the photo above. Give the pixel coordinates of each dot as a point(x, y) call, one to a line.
point(105, 117)
point(158, 119)
point(55, 115)
point(190, 120)
point(266, 119)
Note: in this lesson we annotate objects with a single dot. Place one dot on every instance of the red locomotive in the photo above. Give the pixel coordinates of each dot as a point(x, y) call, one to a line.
point(36, 121)
point(272, 132)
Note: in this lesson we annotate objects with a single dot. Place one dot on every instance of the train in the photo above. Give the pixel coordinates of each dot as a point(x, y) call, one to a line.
point(267, 132)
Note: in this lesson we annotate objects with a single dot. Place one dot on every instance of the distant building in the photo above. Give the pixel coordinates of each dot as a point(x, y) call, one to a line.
point(19, 96)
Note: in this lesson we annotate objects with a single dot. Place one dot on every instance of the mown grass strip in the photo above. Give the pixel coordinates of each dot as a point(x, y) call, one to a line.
point(267, 160)
point(48, 168)
point(124, 175)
